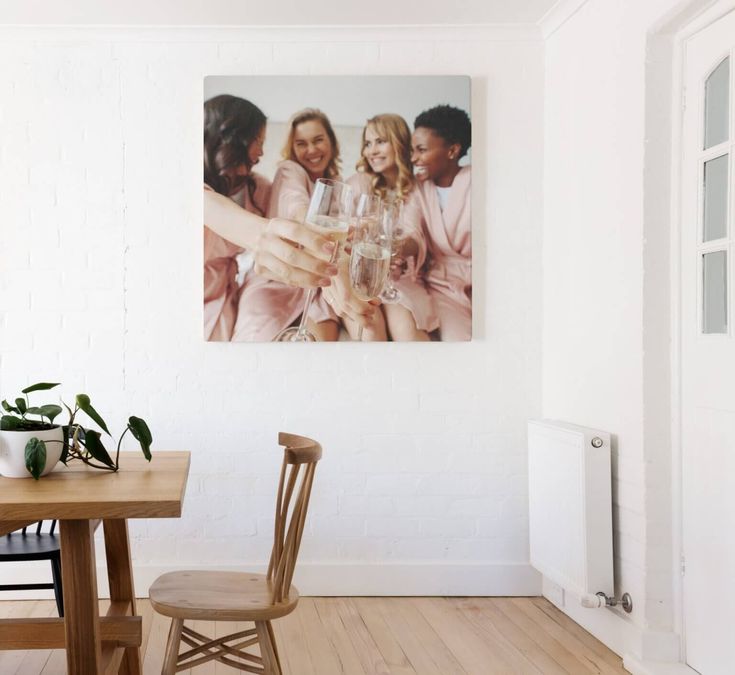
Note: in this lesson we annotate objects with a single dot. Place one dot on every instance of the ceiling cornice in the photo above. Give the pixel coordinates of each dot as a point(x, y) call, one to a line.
point(522, 32)
point(558, 15)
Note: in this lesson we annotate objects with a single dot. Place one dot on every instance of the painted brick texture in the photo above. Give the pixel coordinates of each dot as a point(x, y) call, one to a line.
point(100, 288)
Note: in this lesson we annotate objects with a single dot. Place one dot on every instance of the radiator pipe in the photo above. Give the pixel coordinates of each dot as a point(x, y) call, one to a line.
point(600, 599)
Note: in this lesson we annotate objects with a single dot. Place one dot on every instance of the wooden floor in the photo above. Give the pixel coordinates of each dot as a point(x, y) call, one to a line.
point(382, 636)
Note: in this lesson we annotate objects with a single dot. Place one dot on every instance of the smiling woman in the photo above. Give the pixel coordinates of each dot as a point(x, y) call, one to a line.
point(316, 143)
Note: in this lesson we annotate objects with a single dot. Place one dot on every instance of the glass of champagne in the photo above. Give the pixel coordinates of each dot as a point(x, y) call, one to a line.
point(370, 258)
point(394, 212)
point(329, 214)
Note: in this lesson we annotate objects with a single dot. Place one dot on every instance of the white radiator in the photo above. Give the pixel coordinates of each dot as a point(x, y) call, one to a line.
point(570, 506)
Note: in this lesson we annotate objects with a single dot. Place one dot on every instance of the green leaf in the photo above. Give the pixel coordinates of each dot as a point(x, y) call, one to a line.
point(142, 434)
point(9, 423)
point(35, 457)
point(41, 386)
point(94, 445)
point(85, 405)
point(21, 405)
point(10, 408)
point(51, 411)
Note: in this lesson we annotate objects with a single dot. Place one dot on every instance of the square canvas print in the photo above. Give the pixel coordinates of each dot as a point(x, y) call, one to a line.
point(337, 208)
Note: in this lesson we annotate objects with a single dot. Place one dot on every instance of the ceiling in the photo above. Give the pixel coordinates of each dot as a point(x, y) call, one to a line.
point(275, 12)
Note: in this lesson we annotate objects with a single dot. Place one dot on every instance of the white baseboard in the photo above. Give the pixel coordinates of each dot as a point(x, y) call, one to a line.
point(637, 667)
point(395, 579)
point(639, 647)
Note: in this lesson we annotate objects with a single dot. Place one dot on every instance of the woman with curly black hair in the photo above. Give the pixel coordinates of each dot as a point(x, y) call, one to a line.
point(442, 136)
point(235, 205)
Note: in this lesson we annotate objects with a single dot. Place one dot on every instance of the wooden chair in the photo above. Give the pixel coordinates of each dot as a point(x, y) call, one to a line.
point(241, 596)
point(21, 546)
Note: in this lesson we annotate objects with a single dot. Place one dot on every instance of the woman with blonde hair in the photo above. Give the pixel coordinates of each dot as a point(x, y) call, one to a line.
point(385, 169)
point(311, 151)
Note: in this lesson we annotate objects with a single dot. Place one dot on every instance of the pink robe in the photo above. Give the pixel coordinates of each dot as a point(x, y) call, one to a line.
point(414, 295)
point(266, 307)
point(221, 290)
point(449, 267)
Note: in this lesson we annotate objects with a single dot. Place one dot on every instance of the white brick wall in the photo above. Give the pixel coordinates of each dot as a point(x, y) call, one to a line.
point(100, 288)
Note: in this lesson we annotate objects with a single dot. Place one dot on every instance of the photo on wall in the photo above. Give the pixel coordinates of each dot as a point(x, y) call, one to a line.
point(337, 208)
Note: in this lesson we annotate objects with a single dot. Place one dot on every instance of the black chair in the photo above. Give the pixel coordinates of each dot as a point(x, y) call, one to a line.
point(20, 546)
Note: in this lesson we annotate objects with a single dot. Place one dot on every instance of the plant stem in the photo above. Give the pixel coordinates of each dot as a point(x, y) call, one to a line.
point(119, 443)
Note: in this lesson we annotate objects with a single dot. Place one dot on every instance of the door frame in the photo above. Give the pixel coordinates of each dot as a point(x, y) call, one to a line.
point(713, 12)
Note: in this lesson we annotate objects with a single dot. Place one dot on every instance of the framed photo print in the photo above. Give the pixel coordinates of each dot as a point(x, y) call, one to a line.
point(337, 208)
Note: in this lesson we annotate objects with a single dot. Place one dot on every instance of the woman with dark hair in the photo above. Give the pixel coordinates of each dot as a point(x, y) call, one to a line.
point(384, 169)
point(311, 151)
point(441, 137)
point(235, 204)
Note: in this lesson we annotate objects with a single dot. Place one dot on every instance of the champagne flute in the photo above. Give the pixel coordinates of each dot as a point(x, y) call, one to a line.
point(370, 258)
point(398, 236)
point(367, 211)
point(329, 213)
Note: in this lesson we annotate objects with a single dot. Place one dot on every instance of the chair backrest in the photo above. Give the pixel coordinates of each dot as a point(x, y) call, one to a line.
point(39, 528)
point(299, 453)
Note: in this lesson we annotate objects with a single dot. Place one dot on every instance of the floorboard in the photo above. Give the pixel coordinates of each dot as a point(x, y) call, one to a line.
point(379, 636)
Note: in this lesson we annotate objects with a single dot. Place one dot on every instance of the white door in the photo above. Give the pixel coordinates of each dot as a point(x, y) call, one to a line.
point(708, 348)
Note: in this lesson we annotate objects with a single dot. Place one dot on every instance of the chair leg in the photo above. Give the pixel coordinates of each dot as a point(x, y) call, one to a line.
point(273, 642)
point(267, 649)
point(58, 589)
point(172, 647)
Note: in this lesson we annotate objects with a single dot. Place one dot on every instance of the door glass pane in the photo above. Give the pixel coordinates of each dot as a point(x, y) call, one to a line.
point(716, 95)
point(714, 310)
point(715, 198)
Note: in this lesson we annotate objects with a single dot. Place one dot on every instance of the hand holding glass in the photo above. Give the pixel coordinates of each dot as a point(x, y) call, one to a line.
point(329, 213)
point(394, 213)
point(370, 259)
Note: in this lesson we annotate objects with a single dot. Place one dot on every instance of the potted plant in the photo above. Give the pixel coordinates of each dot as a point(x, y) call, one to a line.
point(31, 443)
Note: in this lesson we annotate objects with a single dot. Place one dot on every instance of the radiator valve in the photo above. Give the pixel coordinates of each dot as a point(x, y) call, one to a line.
point(602, 600)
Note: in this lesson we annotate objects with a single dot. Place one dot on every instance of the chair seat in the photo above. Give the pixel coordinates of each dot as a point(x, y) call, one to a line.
point(29, 546)
point(218, 596)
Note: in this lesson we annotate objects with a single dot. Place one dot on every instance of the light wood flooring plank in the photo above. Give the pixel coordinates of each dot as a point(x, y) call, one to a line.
point(395, 658)
point(580, 633)
point(551, 627)
point(566, 658)
point(478, 652)
point(428, 653)
point(520, 640)
point(492, 619)
point(335, 630)
point(371, 658)
point(293, 646)
point(379, 636)
point(318, 644)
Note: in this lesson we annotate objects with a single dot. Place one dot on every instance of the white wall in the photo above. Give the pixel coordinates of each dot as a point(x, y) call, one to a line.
point(607, 336)
point(423, 484)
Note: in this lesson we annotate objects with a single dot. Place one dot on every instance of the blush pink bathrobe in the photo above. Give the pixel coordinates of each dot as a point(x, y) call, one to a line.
point(266, 307)
point(449, 267)
point(221, 290)
point(414, 295)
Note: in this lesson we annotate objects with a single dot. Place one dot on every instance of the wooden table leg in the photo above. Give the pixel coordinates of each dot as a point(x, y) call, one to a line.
point(81, 605)
point(120, 576)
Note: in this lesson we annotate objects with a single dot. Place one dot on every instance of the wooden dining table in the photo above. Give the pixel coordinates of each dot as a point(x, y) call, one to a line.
point(81, 498)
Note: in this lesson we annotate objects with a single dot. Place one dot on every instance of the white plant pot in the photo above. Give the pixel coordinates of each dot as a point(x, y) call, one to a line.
point(13, 451)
